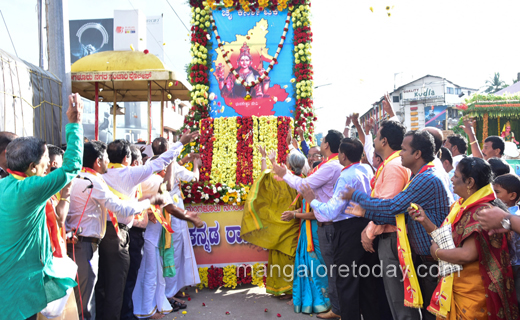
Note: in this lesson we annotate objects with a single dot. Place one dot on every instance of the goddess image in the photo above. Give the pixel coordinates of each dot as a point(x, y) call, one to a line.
point(507, 134)
point(246, 72)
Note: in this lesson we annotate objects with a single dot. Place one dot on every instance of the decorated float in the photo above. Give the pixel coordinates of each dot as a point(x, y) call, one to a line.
point(252, 82)
point(496, 116)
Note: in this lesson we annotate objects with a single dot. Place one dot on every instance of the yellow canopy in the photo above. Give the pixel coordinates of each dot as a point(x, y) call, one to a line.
point(127, 72)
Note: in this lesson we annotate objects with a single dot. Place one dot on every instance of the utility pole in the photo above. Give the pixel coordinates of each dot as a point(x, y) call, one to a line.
point(40, 31)
point(58, 49)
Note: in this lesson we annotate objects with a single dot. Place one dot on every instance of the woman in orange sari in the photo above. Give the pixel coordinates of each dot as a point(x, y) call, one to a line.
point(484, 288)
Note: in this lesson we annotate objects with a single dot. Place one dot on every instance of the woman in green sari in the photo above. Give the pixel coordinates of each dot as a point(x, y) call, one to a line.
point(262, 225)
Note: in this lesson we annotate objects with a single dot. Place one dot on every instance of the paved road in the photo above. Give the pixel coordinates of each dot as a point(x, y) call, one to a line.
point(244, 302)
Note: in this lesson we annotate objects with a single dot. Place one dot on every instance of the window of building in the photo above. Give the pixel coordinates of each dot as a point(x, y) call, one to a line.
point(449, 90)
point(395, 98)
point(458, 90)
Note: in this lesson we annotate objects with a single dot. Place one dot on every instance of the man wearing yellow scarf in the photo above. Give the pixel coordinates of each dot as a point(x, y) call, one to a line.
point(426, 189)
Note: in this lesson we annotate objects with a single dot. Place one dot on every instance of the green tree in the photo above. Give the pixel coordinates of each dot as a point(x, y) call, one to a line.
point(495, 84)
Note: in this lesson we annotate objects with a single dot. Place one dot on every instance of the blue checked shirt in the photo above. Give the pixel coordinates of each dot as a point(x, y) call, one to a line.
point(428, 191)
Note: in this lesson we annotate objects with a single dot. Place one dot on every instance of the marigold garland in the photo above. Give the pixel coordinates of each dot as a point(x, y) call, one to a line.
point(258, 274)
point(224, 165)
point(230, 276)
point(206, 150)
point(245, 151)
point(203, 275)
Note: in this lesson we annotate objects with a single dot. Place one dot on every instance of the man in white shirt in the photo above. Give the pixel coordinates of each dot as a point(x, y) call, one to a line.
point(90, 199)
point(439, 168)
point(185, 262)
point(149, 296)
point(458, 145)
point(114, 259)
point(5, 139)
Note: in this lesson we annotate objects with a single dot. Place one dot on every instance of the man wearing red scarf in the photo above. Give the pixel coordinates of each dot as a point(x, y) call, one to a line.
point(28, 277)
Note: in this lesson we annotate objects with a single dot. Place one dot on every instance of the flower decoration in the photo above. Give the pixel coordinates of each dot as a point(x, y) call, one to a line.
point(244, 172)
point(215, 277)
point(230, 276)
point(285, 129)
point(258, 274)
point(203, 274)
point(206, 149)
point(304, 83)
point(224, 165)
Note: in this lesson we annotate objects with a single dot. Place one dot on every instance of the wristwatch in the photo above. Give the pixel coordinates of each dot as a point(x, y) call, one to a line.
point(506, 223)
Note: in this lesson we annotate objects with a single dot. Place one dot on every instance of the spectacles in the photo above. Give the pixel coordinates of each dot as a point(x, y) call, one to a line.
point(314, 155)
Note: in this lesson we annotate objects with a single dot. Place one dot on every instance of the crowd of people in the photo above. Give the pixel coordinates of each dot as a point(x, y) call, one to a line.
point(402, 225)
point(92, 232)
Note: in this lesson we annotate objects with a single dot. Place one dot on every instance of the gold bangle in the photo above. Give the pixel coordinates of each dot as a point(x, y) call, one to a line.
point(66, 200)
point(436, 256)
point(430, 233)
point(473, 142)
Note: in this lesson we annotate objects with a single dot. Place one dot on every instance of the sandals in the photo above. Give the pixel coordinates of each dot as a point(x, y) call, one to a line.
point(176, 305)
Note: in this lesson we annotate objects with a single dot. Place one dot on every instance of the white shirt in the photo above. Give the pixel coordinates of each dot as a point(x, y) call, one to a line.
point(181, 174)
point(126, 179)
point(369, 148)
point(102, 199)
point(150, 188)
point(444, 176)
point(456, 160)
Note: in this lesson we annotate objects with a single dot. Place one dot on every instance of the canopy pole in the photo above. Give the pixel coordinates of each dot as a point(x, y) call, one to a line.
point(96, 112)
point(150, 112)
point(114, 108)
point(162, 113)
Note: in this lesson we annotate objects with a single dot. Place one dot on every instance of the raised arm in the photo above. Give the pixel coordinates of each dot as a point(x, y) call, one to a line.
point(355, 122)
point(45, 187)
point(473, 142)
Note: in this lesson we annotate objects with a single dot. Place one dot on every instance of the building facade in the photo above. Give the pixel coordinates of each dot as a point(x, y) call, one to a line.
point(429, 101)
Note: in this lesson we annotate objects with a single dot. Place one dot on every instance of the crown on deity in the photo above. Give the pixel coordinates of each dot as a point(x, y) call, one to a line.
point(508, 124)
point(245, 49)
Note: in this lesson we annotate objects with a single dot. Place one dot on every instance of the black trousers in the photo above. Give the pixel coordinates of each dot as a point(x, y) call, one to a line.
point(86, 279)
point(427, 282)
point(34, 317)
point(357, 286)
point(136, 255)
point(114, 261)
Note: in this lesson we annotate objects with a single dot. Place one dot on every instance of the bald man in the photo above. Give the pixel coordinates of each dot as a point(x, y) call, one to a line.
point(439, 168)
point(5, 138)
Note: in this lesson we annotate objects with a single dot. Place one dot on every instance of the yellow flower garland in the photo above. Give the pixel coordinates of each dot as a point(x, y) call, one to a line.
point(203, 274)
point(230, 276)
point(224, 165)
point(258, 274)
point(265, 134)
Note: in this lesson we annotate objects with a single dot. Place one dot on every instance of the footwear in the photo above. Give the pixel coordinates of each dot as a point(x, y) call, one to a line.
point(177, 304)
point(328, 315)
point(174, 305)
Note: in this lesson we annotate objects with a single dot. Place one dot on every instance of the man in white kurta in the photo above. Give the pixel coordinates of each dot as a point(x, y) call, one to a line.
point(186, 265)
point(149, 293)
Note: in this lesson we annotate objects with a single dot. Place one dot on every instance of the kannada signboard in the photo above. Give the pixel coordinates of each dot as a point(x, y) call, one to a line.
point(218, 242)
